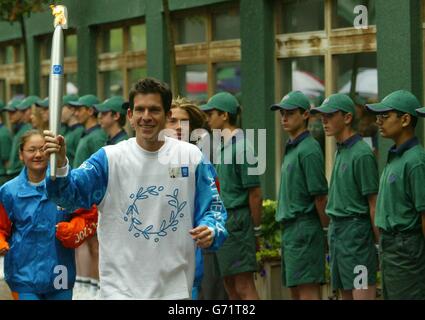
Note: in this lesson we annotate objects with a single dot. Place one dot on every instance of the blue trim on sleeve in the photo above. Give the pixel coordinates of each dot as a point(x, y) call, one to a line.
point(82, 187)
point(209, 208)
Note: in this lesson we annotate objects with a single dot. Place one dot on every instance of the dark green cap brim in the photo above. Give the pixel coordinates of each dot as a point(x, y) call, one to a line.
point(42, 104)
point(75, 104)
point(284, 107)
point(421, 111)
point(379, 107)
point(206, 107)
point(323, 109)
point(9, 109)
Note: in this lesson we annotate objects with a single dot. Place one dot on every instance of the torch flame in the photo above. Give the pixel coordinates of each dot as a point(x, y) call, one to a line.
point(59, 13)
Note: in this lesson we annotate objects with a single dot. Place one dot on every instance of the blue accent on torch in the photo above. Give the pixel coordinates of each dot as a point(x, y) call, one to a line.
point(57, 69)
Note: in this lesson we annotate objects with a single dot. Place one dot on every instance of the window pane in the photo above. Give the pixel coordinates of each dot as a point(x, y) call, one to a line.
point(21, 53)
point(3, 90)
point(137, 74)
point(191, 29)
point(345, 12)
point(302, 16)
point(17, 90)
point(112, 83)
point(44, 86)
point(113, 40)
point(46, 48)
point(71, 83)
point(8, 57)
point(138, 38)
point(193, 82)
point(306, 75)
point(228, 78)
point(226, 25)
point(71, 45)
point(363, 65)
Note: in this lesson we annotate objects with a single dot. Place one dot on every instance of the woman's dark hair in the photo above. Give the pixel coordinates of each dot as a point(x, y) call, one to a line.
point(26, 137)
point(151, 85)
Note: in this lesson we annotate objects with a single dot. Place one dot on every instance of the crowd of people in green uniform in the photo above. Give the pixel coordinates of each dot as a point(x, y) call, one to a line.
point(368, 217)
point(373, 222)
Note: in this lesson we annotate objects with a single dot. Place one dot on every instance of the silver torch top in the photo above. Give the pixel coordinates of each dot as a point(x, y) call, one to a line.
point(56, 81)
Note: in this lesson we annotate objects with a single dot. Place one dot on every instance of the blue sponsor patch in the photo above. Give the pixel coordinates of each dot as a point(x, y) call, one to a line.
point(185, 172)
point(57, 69)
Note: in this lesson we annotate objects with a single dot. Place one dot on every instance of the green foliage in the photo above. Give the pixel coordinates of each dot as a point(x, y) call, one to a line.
point(270, 239)
point(13, 10)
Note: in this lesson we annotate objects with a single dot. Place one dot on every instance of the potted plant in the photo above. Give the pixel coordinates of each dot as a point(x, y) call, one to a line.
point(269, 276)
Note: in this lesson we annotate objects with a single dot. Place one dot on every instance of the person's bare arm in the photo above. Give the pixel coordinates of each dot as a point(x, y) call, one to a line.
point(320, 202)
point(372, 205)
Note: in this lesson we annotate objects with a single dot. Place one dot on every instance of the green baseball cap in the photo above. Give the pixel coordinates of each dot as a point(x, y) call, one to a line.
point(43, 103)
point(12, 104)
point(400, 100)
point(293, 100)
point(66, 99)
point(2, 105)
point(334, 103)
point(114, 103)
point(89, 100)
point(222, 101)
point(27, 102)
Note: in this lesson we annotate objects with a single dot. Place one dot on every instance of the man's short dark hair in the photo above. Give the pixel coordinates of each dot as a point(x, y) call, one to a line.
point(233, 117)
point(413, 119)
point(151, 85)
point(122, 120)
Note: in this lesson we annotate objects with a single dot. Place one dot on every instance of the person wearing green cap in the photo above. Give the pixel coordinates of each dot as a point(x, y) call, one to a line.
point(302, 202)
point(112, 119)
point(5, 144)
point(92, 139)
point(40, 115)
point(67, 111)
point(241, 194)
point(351, 203)
point(400, 210)
point(20, 118)
point(71, 129)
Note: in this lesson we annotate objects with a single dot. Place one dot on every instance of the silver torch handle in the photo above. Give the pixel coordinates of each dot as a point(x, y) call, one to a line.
point(56, 85)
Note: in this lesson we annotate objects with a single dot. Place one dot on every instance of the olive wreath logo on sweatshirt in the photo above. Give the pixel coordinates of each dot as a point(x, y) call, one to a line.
point(133, 214)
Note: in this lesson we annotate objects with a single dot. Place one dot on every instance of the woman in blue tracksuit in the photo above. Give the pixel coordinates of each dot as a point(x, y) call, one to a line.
point(37, 265)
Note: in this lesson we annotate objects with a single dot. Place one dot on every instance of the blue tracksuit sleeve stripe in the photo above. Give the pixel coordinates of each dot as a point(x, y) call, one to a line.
point(209, 209)
point(82, 187)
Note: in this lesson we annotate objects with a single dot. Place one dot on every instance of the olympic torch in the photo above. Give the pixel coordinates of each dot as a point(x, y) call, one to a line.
point(56, 76)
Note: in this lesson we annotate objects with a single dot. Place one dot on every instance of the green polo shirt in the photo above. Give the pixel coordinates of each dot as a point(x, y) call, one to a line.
point(72, 137)
point(63, 129)
point(5, 146)
point(401, 198)
point(15, 165)
point(92, 140)
point(354, 177)
point(302, 177)
point(232, 171)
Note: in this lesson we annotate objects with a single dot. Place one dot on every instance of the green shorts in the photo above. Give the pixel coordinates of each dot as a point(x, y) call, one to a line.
point(352, 252)
point(237, 255)
point(403, 265)
point(303, 251)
